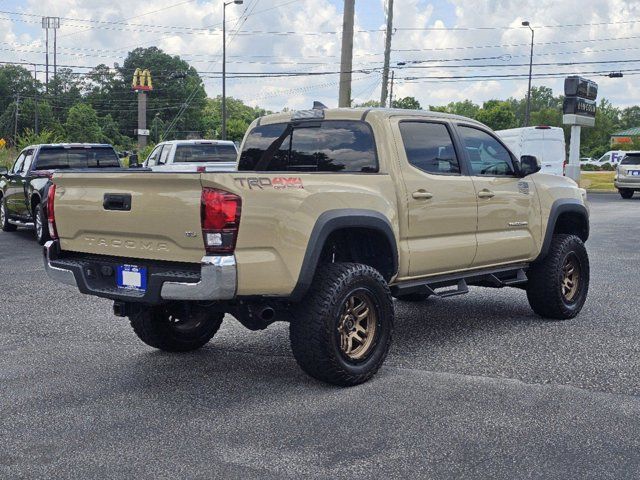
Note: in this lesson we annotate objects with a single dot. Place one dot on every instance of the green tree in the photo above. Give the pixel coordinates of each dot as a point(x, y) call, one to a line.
point(236, 110)
point(15, 81)
point(65, 90)
point(497, 114)
point(465, 108)
point(409, 103)
point(82, 125)
point(630, 117)
point(369, 104)
point(596, 141)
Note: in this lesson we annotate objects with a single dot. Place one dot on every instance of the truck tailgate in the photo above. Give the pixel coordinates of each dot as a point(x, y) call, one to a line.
point(161, 222)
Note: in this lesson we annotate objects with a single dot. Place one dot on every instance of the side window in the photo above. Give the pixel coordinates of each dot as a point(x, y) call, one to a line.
point(153, 158)
point(28, 159)
point(18, 164)
point(429, 147)
point(486, 154)
point(327, 146)
point(162, 160)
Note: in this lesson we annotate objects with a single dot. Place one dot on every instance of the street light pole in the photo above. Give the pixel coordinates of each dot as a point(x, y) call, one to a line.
point(224, 65)
point(528, 111)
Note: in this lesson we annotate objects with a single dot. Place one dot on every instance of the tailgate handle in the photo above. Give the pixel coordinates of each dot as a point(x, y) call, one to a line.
point(117, 201)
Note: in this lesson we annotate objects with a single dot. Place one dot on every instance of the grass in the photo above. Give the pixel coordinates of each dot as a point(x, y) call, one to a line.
point(597, 181)
point(7, 156)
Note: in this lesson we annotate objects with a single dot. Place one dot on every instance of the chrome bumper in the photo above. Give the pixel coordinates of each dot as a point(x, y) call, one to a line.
point(627, 183)
point(218, 279)
point(60, 275)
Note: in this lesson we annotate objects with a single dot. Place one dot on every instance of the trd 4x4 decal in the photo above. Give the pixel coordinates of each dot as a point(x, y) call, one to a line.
point(279, 183)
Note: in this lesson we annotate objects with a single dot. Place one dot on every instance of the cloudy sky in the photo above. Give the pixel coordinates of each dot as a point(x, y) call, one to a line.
point(452, 49)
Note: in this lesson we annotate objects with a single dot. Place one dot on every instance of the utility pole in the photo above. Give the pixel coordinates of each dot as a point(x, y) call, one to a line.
point(224, 64)
point(393, 74)
point(346, 62)
point(387, 55)
point(528, 110)
point(15, 126)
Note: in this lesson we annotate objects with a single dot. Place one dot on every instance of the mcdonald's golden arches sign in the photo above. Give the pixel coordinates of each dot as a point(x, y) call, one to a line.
point(142, 80)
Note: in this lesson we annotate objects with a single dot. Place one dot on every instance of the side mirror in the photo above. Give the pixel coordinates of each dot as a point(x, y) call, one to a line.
point(3, 170)
point(529, 165)
point(133, 161)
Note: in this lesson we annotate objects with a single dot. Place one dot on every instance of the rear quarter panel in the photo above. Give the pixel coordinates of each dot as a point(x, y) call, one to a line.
point(279, 211)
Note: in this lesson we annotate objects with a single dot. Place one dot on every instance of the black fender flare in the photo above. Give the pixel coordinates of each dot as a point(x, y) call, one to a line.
point(559, 207)
point(329, 222)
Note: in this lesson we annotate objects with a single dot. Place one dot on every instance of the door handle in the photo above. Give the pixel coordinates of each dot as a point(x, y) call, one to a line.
point(116, 201)
point(422, 195)
point(486, 194)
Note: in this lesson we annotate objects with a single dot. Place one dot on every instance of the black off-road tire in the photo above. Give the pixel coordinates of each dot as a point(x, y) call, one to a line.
point(158, 328)
point(546, 278)
point(413, 297)
point(314, 330)
point(626, 193)
point(42, 232)
point(4, 219)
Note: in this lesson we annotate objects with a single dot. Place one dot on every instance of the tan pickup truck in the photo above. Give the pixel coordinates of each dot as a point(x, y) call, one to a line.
point(332, 212)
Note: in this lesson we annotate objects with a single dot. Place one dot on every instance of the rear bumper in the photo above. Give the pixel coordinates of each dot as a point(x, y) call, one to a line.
point(626, 183)
point(214, 279)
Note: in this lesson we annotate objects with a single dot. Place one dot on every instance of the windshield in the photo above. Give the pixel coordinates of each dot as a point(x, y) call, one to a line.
point(200, 153)
point(631, 159)
point(62, 158)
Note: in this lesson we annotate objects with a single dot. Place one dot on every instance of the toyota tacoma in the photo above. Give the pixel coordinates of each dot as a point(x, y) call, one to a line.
point(331, 214)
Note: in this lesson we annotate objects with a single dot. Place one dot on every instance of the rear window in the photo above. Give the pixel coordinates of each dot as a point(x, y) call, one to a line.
point(201, 153)
point(631, 159)
point(326, 146)
point(60, 158)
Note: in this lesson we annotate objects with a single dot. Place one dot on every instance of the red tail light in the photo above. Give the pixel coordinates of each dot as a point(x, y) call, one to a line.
point(53, 232)
point(220, 219)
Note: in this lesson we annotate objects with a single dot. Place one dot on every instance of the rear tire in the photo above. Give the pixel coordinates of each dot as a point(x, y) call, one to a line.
point(4, 218)
point(559, 283)
point(41, 225)
point(176, 327)
point(626, 193)
point(341, 331)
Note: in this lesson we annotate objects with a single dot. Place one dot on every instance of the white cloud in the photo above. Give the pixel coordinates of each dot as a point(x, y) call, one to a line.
point(79, 45)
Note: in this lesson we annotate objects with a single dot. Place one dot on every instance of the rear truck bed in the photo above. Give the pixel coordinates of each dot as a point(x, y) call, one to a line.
point(140, 236)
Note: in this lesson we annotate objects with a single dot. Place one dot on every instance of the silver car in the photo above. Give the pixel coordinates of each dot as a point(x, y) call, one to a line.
point(627, 179)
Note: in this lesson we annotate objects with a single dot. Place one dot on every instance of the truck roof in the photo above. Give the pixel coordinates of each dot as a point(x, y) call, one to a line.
point(197, 142)
point(71, 145)
point(362, 113)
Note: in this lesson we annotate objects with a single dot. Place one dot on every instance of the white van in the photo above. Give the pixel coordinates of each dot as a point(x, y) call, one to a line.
point(546, 143)
point(612, 157)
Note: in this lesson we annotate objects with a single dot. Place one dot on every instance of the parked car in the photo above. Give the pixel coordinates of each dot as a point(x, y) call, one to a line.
point(543, 142)
point(627, 179)
point(23, 188)
point(331, 213)
point(193, 155)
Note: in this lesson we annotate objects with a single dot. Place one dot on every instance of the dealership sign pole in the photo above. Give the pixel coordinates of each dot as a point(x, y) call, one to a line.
point(579, 110)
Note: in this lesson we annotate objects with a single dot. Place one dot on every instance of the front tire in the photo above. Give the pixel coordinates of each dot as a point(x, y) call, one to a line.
point(342, 330)
point(176, 327)
point(559, 283)
point(41, 225)
point(626, 193)
point(4, 218)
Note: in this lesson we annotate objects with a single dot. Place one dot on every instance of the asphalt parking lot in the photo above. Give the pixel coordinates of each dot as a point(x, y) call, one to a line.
point(475, 386)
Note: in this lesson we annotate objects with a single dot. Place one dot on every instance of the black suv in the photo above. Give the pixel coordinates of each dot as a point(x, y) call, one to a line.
point(23, 188)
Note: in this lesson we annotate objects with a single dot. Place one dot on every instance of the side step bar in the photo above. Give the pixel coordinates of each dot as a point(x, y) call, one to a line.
point(441, 286)
point(19, 223)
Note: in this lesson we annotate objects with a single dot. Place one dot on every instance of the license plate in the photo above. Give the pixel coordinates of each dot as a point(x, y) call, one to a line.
point(635, 173)
point(132, 277)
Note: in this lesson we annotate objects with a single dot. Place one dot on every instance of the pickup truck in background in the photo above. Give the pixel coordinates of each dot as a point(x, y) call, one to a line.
point(332, 212)
point(192, 156)
point(23, 188)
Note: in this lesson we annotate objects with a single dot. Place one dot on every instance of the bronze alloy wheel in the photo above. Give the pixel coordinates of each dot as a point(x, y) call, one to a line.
point(357, 325)
point(39, 225)
point(570, 278)
point(3, 213)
